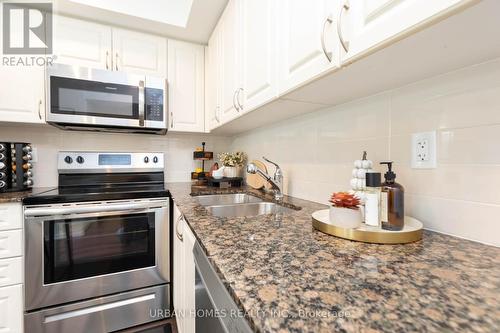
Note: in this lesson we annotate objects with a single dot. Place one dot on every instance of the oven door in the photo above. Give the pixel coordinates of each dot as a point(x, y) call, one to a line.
point(81, 251)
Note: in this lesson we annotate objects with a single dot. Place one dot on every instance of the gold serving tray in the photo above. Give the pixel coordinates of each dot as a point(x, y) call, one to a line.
point(412, 231)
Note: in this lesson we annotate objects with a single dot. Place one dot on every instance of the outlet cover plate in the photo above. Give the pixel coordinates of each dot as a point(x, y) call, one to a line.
point(423, 150)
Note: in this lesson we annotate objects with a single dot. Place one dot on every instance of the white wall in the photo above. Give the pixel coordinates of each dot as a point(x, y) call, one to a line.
point(460, 197)
point(48, 140)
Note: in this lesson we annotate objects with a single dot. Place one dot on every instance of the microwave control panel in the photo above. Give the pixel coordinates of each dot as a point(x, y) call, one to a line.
point(154, 104)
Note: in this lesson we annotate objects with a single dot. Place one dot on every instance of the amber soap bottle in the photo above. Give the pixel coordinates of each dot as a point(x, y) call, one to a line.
point(392, 201)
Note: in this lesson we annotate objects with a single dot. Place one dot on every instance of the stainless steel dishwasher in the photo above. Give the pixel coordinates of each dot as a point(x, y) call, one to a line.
point(215, 309)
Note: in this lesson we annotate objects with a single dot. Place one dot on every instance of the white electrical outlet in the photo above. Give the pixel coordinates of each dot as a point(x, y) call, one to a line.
point(423, 150)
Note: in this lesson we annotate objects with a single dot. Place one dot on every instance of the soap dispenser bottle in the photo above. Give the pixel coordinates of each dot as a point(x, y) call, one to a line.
point(392, 201)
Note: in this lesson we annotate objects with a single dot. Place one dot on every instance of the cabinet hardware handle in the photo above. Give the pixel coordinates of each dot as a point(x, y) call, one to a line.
point(238, 98)
point(177, 233)
point(116, 62)
point(328, 54)
point(107, 56)
point(39, 109)
point(234, 101)
point(216, 111)
point(345, 43)
point(171, 119)
point(141, 103)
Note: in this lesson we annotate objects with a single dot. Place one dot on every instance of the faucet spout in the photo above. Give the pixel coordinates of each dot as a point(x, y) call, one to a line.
point(276, 181)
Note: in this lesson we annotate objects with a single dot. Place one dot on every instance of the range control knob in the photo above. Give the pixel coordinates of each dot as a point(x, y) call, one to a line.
point(155, 159)
point(80, 159)
point(146, 159)
point(68, 159)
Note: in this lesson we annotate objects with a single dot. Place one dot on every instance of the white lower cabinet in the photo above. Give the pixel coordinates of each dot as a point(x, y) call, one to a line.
point(11, 271)
point(11, 268)
point(184, 274)
point(11, 309)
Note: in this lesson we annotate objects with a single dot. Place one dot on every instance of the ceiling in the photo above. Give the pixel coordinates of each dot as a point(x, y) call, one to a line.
point(189, 20)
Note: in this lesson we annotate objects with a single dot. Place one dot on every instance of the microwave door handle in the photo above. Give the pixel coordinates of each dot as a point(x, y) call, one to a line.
point(141, 103)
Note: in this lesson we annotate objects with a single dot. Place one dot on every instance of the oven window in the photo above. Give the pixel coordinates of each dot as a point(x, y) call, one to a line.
point(92, 98)
point(86, 247)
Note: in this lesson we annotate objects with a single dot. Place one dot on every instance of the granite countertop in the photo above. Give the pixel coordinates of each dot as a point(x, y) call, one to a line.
point(20, 195)
point(288, 277)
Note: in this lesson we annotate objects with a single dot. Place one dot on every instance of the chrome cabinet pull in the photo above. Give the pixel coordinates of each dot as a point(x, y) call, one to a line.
point(40, 109)
point(215, 116)
point(177, 233)
point(107, 56)
point(238, 98)
point(345, 43)
point(116, 62)
point(234, 102)
point(171, 119)
point(328, 54)
point(141, 103)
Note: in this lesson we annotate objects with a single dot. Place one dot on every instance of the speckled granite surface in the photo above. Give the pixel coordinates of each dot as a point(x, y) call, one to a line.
point(288, 277)
point(19, 196)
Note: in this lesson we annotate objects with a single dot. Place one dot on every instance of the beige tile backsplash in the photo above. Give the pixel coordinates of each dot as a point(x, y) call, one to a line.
point(460, 197)
point(178, 148)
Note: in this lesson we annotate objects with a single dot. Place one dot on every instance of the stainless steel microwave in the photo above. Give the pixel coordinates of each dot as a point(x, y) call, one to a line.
point(82, 98)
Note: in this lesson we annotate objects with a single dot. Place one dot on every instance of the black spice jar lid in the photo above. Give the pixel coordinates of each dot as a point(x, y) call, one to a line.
point(373, 179)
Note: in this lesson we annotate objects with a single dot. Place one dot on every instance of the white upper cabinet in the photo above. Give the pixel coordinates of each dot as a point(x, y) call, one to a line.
point(89, 44)
point(212, 80)
point(82, 43)
point(186, 86)
point(22, 90)
point(366, 24)
point(259, 52)
point(140, 53)
point(308, 40)
point(22, 94)
point(230, 60)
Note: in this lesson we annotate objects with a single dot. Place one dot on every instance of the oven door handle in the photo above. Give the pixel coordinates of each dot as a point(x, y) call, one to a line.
point(99, 208)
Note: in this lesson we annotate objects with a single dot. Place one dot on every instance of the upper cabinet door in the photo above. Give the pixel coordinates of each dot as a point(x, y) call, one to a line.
point(186, 86)
point(230, 60)
point(82, 43)
point(139, 53)
point(259, 52)
point(366, 24)
point(22, 90)
point(22, 94)
point(308, 40)
point(212, 79)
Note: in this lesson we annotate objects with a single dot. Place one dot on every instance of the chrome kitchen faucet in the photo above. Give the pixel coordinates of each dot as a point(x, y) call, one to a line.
point(276, 181)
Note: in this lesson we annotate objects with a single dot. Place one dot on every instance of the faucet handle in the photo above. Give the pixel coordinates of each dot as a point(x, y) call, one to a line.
point(276, 165)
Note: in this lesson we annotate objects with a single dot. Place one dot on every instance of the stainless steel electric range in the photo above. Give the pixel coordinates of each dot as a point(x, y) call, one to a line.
point(98, 247)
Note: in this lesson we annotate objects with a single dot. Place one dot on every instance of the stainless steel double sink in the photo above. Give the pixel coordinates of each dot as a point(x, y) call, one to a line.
point(239, 204)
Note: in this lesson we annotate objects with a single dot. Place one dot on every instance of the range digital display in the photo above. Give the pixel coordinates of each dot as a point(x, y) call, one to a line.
point(115, 159)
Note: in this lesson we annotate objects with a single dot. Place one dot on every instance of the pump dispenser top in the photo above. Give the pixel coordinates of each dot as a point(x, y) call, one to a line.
point(389, 176)
point(393, 201)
